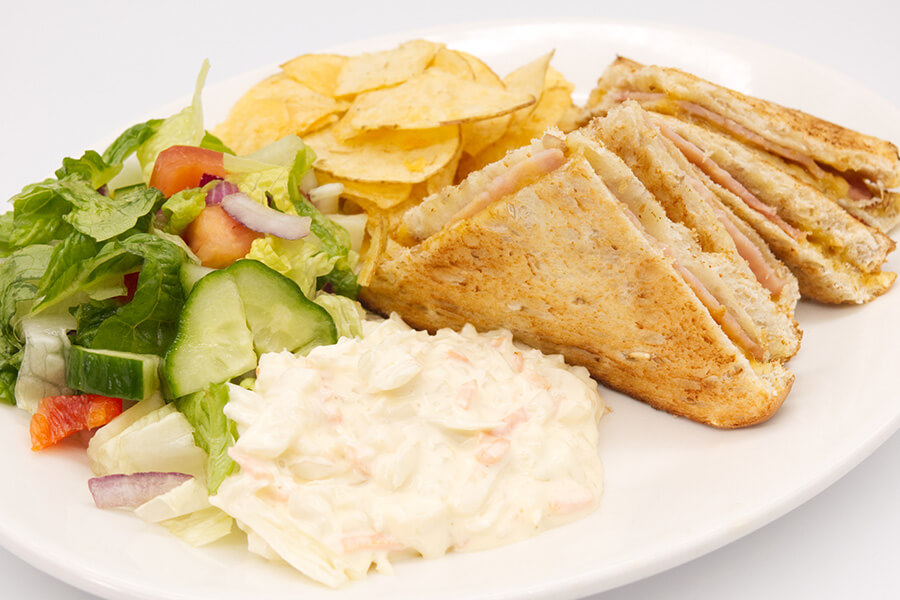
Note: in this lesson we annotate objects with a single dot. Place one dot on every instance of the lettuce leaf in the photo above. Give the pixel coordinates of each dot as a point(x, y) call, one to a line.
point(104, 217)
point(347, 314)
point(211, 142)
point(183, 207)
point(81, 268)
point(91, 168)
point(49, 210)
point(19, 275)
point(149, 436)
point(43, 369)
point(334, 238)
point(130, 140)
point(88, 318)
point(183, 128)
point(300, 260)
point(37, 215)
point(41, 211)
point(146, 324)
point(213, 431)
point(80, 265)
point(268, 171)
point(6, 229)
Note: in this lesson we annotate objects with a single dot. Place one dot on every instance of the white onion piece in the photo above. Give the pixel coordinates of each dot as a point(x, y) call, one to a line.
point(253, 215)
point(130, 491)
point(325, 197)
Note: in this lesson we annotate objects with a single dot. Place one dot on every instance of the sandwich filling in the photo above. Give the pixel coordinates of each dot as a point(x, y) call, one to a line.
point(750, 252)
point(724, 316)
point(701, 159)
point(856, 188)
point(526, 165)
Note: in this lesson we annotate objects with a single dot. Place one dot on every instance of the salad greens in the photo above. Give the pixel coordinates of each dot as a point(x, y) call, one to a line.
point(96, 258)
point(213, 431)
point(183, 128)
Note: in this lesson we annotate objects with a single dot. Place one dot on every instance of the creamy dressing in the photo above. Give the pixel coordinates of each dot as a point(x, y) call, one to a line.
point(402, 444)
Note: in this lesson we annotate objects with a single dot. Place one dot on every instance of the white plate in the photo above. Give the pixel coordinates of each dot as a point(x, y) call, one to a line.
point(675, 489)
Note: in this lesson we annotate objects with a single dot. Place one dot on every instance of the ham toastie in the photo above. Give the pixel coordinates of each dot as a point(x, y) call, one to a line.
point(562, 244)
point(855, 170)
point(700, 175)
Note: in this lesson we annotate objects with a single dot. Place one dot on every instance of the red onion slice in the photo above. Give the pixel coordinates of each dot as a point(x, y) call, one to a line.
point(130, 491)
point(215, 195)
point(255, 216)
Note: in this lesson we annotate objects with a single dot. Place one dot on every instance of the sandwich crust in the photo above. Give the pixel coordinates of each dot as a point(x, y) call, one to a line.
point(561, 265)
point(840, 258)
point(827, 143)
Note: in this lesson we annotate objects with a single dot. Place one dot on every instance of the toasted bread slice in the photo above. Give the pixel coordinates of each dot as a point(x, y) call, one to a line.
point(570, 268)
point(836, 258)
point(854, 169)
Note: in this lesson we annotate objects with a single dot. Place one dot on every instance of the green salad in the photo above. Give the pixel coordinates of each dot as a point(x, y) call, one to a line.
point(137, 282)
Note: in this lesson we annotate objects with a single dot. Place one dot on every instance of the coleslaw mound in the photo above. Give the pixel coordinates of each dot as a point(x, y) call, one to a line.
point(403, 443)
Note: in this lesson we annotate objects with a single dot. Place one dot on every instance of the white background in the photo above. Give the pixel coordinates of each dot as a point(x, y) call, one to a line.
point(74, 72)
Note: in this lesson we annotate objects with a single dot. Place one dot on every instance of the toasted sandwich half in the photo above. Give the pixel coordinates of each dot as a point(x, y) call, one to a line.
point(855, 170)
point(561, 244)
point(696, 173)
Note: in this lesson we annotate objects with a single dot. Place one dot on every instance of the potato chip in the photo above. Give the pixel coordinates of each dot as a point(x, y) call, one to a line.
point(380, 195)
point(273, 108)
point(372, 248)
point(382, 69)
point(444, 177)
point(571, 119)
point(478, 135)
point(405, 156)
point(318, 72)
point(452, 62)
point(482, 72)
point(555, 102)
point(450, 100)
point(529, 79)
point(555, 79)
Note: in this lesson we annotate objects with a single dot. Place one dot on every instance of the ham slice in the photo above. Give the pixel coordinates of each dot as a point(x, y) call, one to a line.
point(858, 190)
point(739, 130)
point(518, 176)
point(697, 156)
point(719, 312)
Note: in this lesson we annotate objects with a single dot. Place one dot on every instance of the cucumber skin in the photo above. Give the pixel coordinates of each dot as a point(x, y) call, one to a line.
point(96, 372)
point(303, 324)
point(258, 288)
point(212, 320)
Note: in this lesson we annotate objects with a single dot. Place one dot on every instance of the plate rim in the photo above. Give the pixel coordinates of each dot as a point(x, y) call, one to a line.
point(584, 582)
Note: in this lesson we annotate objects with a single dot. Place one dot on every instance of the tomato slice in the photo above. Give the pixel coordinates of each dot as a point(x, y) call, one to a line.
point(181, 167)
point(217, 239)
point(58, 417)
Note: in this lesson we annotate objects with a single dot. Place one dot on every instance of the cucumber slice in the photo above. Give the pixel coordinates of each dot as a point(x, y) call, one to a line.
point(111, 373)
point(191, 274)
point(213, 343)
point(233, 315)
point(280, 316)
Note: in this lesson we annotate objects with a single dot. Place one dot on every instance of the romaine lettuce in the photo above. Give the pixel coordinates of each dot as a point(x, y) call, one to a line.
point(43, 369)
point(19, 274)
point(213, 431)
point(183, 207)
point(146, 324)
point(334, 238)
point(300, 260)
point(183, 128)
point(157, 440)
point(346, 313)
